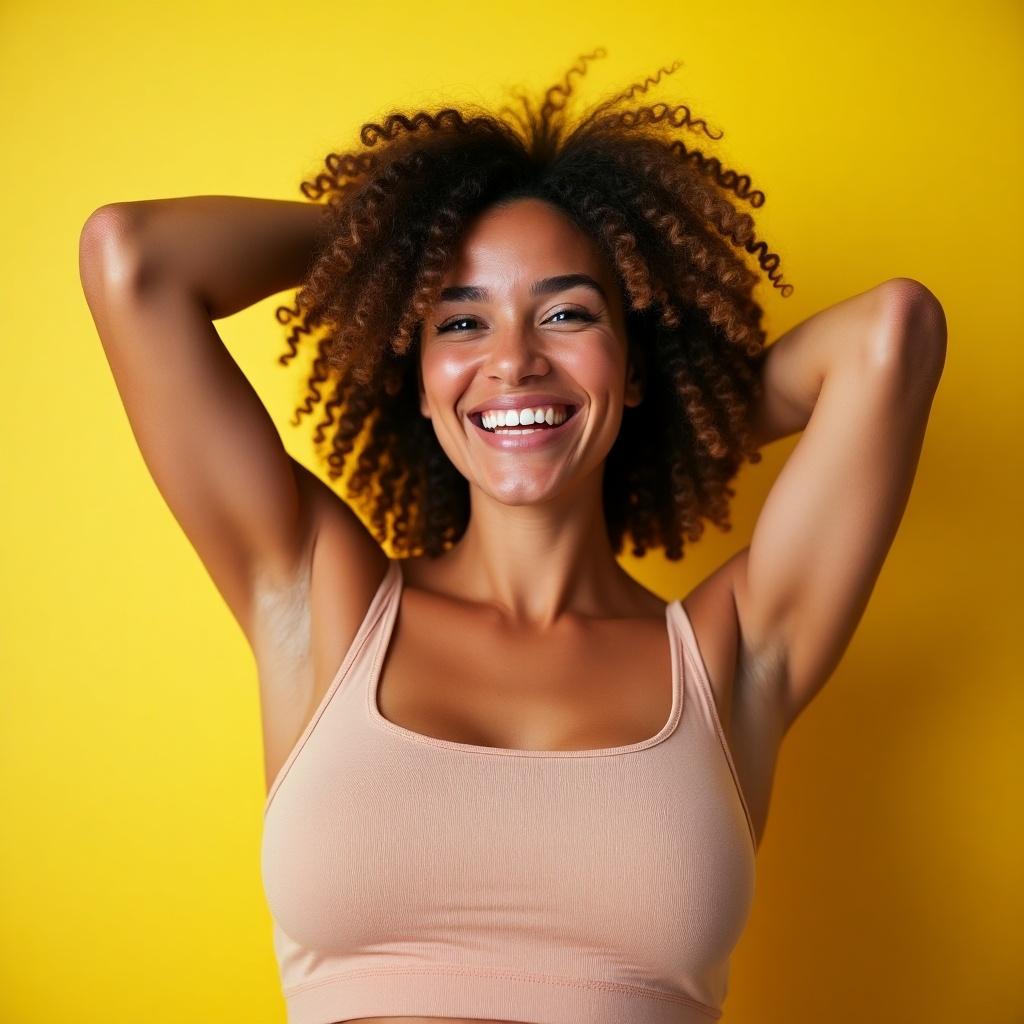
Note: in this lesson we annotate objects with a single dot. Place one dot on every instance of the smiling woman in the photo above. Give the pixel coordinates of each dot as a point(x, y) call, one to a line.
point(545, 340)
point(505, 781)
point(664, 271)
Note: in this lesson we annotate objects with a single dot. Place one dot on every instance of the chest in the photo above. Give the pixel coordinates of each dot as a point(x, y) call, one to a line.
point(460, 676)
point(465, 677)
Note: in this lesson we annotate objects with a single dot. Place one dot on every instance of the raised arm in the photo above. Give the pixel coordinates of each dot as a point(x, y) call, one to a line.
point(226, 251)
point(155, 275)
point(858, 378)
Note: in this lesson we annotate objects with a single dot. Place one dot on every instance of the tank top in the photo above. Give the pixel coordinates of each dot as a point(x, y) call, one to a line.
point(408, 875)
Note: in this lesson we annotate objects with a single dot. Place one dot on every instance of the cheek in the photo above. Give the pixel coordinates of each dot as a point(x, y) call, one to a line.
point(599, 369)
point(444, 376)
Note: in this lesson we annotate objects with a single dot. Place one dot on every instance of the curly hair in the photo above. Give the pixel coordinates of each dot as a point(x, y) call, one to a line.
point(663, 216)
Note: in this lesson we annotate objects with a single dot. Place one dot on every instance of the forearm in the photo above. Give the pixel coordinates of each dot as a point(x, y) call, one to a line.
point(795, 365)
point(230, 251)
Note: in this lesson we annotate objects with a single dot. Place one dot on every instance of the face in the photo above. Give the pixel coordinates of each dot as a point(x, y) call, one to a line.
point(506, 334)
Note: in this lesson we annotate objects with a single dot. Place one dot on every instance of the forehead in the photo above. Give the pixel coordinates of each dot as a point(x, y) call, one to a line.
point(520, 242)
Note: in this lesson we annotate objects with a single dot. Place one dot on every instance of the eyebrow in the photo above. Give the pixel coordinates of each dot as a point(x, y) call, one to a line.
point(545, 286)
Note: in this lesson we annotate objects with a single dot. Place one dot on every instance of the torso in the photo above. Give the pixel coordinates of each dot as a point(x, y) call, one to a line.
point(452, 671)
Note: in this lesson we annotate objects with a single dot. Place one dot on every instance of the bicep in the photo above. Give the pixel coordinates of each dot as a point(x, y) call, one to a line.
point(205, 436)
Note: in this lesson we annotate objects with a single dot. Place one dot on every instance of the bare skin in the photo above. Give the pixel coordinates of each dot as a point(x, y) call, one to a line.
point(533, 581)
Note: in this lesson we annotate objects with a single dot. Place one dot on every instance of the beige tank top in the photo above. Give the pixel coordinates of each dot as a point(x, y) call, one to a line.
point(414, 876)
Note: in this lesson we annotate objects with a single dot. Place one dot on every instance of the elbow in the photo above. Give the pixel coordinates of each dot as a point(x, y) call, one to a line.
point(106, 250)
point(105, 225)
point(912, 340)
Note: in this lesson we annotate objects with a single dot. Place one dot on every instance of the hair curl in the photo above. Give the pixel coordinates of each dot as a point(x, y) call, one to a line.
point(664, 217)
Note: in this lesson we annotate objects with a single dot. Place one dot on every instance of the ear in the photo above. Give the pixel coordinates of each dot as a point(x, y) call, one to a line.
point(636, 374)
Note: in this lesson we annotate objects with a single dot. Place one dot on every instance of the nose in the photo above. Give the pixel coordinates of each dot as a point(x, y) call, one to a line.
point(515, 354)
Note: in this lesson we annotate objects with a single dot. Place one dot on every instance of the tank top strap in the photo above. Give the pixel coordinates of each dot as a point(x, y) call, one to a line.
point(389, 597)
point(380, 616)
point(696, 673)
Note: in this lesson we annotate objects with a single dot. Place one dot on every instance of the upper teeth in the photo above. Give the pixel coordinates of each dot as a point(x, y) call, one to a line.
point(522, 417)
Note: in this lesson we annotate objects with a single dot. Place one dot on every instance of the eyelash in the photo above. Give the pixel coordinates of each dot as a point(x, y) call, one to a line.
point(581, 314)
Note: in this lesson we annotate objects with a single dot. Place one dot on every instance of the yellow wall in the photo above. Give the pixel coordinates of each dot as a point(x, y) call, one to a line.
point(886, 136)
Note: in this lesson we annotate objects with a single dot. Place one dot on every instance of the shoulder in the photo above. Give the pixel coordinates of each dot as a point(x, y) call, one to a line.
point(346, 565)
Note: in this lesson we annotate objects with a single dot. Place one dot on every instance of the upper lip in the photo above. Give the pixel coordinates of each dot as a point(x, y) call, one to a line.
point(533, 400)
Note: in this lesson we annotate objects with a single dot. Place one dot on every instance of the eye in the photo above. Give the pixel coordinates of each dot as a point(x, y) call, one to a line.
point(579, 314)
point(450, 324)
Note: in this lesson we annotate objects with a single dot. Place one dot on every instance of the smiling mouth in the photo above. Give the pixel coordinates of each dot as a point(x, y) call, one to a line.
point(477, 419)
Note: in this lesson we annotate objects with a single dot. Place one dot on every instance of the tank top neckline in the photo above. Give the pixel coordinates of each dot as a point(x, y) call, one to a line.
point(393, 586)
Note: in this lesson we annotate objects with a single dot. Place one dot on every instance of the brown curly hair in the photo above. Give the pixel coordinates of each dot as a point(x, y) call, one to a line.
point(662, 215)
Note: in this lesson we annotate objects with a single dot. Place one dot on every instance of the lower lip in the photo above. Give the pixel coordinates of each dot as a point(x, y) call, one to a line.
point(527, 442)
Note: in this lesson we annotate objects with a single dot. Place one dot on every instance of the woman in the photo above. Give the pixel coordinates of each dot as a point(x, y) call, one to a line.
point(505, 780)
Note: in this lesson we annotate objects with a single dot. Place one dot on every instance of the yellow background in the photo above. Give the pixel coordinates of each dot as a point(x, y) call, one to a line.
point(887, 139)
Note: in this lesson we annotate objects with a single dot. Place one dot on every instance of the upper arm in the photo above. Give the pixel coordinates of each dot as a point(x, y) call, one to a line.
point(831, 515)
point(206, 438)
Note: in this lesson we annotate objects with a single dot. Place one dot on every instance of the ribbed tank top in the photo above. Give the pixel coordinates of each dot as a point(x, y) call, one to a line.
point(408, 875)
